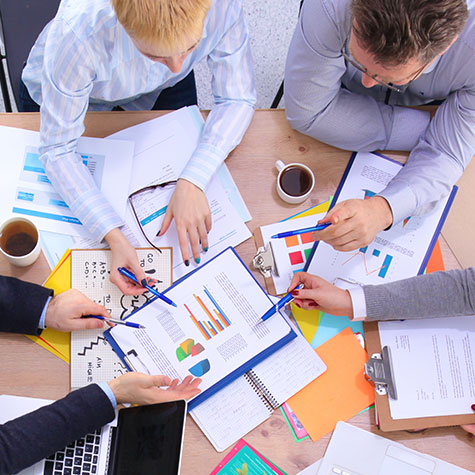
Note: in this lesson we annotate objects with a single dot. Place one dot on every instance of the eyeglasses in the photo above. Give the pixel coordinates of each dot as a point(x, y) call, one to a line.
point(154, 215)
point(374, 77)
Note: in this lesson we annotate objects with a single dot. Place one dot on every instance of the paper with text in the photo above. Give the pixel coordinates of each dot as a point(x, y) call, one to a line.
point(394, 254)
point(92, 358)
point(214, 330)
point(433, 363)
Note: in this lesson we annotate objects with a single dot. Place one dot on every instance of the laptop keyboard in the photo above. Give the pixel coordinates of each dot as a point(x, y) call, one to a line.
point(79, 457)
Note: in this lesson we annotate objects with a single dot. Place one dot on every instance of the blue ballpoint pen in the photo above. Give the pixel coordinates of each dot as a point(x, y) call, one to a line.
point(318, 227)
point(116, 321)
point(132, 277)
point(281, 303)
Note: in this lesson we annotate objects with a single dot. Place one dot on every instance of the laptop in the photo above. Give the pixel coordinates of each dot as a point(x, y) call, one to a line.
point(141, 440)
point(354, 451)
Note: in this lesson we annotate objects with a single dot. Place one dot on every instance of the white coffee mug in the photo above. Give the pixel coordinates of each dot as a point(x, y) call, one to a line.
point(295, 182)
point(20, 241)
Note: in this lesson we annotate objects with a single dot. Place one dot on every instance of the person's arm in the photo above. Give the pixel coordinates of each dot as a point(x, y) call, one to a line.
point(438, 294)
point(235, 96)
point(68, 71)
point(21, 305)
point(32, 437)
point(317, 105)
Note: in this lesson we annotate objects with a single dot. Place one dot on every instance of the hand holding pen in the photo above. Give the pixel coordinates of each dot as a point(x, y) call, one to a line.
point(125, 272)
point(285, 300)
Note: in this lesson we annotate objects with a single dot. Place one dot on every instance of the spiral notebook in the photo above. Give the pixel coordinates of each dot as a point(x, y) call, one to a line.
point(251, 399)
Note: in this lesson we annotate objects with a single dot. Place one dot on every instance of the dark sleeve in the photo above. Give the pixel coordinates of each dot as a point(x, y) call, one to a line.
point(439, 294)
point(21, 305)
point(34, 436)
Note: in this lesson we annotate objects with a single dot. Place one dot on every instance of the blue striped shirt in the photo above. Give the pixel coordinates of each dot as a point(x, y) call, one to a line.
point(84, 60)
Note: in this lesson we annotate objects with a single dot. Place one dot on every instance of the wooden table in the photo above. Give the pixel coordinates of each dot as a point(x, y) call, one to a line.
point(29, 370)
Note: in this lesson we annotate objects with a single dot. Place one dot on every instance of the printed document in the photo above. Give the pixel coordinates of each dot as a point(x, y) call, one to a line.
point(433, 363)
point(394, 254)
point(213, 331)
point(27, 191)
point(163, 147)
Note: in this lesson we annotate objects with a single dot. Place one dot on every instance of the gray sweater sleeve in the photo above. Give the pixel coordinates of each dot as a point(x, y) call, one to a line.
point(439, 294)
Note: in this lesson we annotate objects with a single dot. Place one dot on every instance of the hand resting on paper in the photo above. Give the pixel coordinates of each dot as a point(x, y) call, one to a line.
point(321, 295)
point(190, 209)
point(139, 388)
point(355, 223)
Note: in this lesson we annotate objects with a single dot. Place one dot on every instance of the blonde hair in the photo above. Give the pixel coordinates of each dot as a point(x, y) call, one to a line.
point(165, 24)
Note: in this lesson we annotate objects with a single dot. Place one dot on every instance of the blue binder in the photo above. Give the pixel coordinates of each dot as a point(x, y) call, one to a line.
point(232, 375)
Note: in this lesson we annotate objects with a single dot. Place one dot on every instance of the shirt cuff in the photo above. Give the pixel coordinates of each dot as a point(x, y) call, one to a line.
point(106, 388)
point(203, 164)
point(41, 323)
point(96, 214)
point(401, 199)
point(359, 303)
point(408, 126)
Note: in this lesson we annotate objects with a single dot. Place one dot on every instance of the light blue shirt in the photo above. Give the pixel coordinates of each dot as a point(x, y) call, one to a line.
point(84, 60)
point(365, 119)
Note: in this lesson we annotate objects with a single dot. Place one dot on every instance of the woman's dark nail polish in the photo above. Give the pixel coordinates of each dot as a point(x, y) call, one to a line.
point(144, 282)
point(205, 249)
point(187, 263)
point(298, 305)
point(294, 292)
point(159, 231)
point(312, 304)
point(473, 407)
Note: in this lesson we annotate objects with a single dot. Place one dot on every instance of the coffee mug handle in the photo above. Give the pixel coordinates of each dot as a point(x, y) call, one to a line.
point(280, 165)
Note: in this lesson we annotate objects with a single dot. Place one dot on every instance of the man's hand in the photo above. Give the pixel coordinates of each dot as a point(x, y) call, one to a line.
point(355, 223)
point(321, 295)
point(65, 310)
point(138, 388)
point(189, 206)
point(124, 255)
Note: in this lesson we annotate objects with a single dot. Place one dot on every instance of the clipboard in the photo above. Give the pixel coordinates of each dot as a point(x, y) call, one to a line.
point(131, 357)
point(383, 413)
point(265, 262)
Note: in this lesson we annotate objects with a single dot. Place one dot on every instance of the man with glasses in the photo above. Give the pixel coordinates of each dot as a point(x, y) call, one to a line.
point(354, 67)
point(139, 55)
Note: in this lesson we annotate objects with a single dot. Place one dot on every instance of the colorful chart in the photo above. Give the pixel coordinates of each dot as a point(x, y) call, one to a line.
point(187, 348)
point(201, 368)
point(211, 325)
point(299, 248)
point(371, 265)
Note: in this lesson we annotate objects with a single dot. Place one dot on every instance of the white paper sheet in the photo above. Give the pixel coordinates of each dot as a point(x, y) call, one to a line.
point(394, 254)
point(26, 190)
point(163, 146)
point(433, 363)
point(212, 332)
point(290, 254)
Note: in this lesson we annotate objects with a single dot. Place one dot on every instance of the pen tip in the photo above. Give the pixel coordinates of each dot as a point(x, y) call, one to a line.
point(274, 236)
point(174, 304)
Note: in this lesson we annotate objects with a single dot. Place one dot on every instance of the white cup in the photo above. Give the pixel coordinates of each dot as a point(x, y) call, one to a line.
point(295, 182)
point(20, 241)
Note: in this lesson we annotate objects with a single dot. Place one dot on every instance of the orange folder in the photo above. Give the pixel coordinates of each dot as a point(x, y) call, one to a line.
point(338, 394)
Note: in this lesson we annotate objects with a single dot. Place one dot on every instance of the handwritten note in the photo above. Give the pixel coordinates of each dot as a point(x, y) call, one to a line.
point(92, 359)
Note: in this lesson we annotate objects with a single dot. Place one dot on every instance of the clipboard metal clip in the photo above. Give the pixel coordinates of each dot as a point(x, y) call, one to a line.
point(264, 261)
point(378, 370)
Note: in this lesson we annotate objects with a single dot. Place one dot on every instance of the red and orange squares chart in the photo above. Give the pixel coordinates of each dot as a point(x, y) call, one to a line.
point(299, 248)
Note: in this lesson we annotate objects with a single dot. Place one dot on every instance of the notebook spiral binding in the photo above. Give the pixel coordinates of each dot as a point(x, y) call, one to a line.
point(261, 389)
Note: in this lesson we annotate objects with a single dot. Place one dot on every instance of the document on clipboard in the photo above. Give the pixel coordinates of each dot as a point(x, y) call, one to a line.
point(401, 251)
point(214, 333)
point(423, 371)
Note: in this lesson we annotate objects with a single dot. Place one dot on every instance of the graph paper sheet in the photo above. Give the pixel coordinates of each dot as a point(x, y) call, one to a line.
point(398, 253)
point(92, 358)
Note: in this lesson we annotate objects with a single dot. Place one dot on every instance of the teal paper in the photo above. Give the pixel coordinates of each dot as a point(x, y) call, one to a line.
point(330, 326)
point(254, 464)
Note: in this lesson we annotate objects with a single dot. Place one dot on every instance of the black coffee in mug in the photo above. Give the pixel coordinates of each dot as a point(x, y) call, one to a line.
point(295, 181)
point(18, 238)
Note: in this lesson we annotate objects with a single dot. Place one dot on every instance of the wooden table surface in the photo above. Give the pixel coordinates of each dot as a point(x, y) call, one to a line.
point(29, 370)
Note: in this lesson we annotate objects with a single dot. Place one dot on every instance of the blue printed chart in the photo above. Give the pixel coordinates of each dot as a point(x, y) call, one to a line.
point(27, 190)
point(394, 254)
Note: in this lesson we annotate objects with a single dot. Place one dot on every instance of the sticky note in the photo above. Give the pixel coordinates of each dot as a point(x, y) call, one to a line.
point(338, 394)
